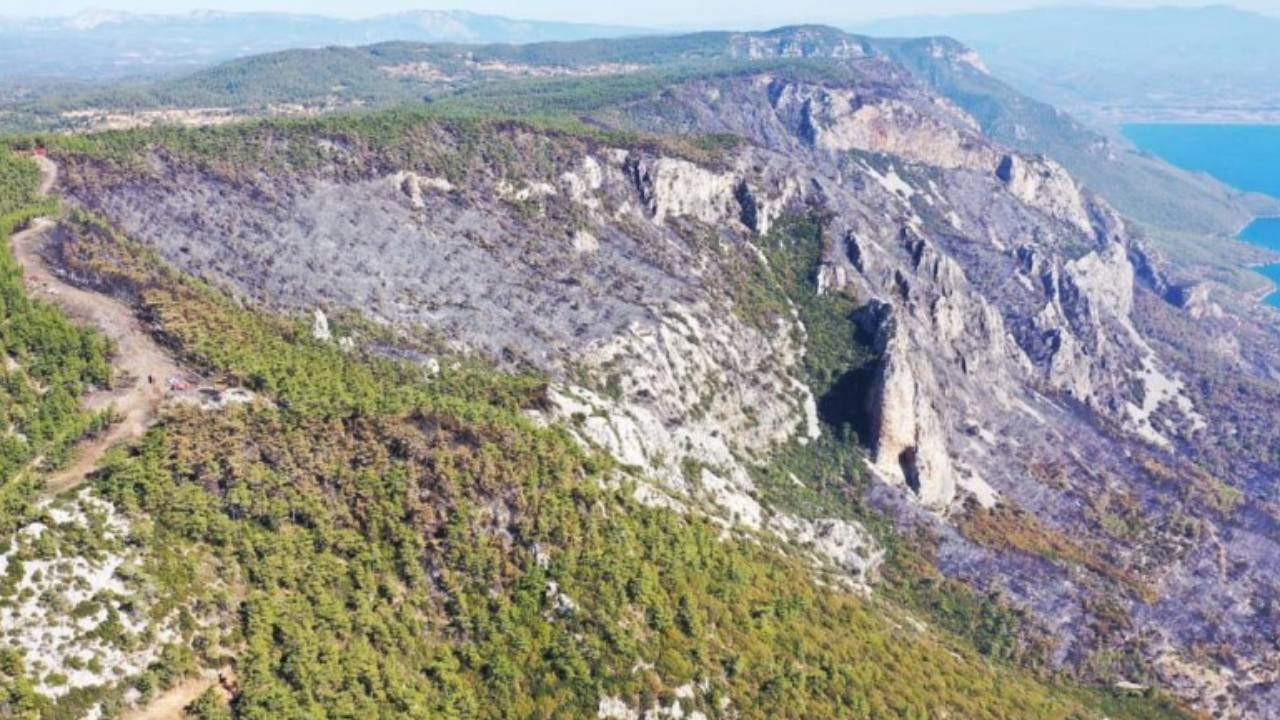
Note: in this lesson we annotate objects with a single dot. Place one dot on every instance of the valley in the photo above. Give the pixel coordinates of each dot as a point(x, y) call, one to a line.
point(1242, 156)
point(1111, 65)
point(727, 375)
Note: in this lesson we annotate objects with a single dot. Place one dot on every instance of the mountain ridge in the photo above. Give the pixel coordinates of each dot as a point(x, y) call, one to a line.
point(306, 81)
point(774, 378)
point(120, 45)
point(928, 256)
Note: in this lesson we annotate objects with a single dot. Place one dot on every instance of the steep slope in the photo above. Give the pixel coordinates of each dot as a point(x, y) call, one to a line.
point(1176, 208)
point(379, 539)
point(790, 261)
point(959, 310)
point(1104, 164)
point(751, 388)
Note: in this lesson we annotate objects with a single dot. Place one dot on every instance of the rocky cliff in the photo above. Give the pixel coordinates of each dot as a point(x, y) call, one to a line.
point(1033, 397)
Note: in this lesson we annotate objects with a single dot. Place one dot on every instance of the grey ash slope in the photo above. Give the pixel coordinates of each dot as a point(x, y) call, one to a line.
point(1070, 428)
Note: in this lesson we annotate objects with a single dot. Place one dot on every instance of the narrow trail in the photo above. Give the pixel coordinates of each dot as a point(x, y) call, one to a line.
point(137, 354)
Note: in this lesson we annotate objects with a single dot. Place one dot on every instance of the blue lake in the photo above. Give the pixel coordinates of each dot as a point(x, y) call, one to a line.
point(1243, 156)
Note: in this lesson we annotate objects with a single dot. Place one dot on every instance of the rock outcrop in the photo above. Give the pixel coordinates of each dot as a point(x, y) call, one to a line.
point(841, 120)
point(1045, 185)
point(909, 443)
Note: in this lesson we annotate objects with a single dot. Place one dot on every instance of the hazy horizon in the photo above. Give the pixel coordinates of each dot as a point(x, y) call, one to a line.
point(676, 15)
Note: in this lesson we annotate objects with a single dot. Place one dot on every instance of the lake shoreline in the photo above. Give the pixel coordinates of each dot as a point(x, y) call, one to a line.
point(1120, 121)
point(1240, 230)
point(1244, 156)
point(1271, 296)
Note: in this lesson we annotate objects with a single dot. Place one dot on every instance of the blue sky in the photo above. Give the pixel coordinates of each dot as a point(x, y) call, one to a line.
point(649, 13)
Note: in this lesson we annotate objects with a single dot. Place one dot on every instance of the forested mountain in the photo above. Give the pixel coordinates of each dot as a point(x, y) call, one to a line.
point(104, 44)
point(730, 375)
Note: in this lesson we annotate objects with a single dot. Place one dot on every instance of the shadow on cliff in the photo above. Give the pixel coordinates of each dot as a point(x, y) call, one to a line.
point(846, 405)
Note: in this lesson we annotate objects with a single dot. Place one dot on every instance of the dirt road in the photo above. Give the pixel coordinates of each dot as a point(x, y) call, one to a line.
point(171, 704)
point(137, 354)
point(138, 357)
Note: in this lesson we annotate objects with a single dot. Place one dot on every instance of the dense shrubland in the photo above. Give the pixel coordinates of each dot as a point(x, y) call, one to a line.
point(461, 563)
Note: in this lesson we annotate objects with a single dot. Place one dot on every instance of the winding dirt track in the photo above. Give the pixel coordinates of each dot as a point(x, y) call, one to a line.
point(134, 399)
point(137, 354)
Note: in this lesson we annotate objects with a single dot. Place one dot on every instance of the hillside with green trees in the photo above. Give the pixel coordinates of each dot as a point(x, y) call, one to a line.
point(46, 362)
point(390, 545)
point(398, 525)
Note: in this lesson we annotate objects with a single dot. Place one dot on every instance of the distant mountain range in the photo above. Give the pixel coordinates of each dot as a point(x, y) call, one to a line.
point(1213, 63)
point(1104, 64)
point(103, 44)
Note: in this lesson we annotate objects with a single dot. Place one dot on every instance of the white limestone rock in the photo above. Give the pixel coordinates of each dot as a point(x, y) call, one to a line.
point(320, 326)
point(1045, 185)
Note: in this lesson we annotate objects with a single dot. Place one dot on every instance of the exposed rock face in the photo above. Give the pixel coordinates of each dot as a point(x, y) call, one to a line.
point(413, 186)
point(796, 43)
point(320, 326)
point(1106, 278)
point(1045, 185)
point(841, 120)
point(1025, 354)
point(1196, 299)
point(909, 445)
point(671, 187)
